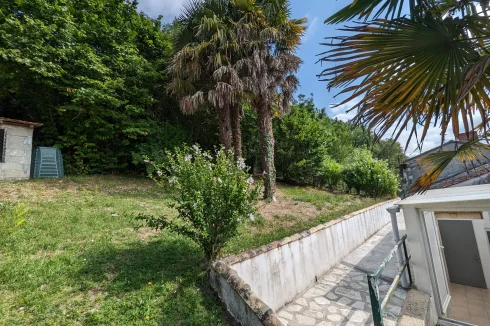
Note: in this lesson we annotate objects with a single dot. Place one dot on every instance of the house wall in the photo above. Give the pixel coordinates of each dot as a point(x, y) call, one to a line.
point(280, 271)
point(18, 151)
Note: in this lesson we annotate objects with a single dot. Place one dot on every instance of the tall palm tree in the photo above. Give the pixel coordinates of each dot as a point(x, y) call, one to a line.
point(267, 70)
point(428, 68)
point(201, 68)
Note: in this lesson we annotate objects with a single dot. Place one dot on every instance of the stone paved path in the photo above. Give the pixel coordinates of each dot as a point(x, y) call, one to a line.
point(341, 297)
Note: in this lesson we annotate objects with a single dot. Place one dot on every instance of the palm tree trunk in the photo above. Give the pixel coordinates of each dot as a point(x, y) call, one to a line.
point(224, 126)
point(267, 149)
point(236, 130)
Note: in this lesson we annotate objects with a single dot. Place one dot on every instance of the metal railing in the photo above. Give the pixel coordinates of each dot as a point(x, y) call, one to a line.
point(373, 278)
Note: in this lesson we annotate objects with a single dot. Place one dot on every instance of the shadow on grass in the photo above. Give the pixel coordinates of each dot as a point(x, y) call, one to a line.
point(179, 293)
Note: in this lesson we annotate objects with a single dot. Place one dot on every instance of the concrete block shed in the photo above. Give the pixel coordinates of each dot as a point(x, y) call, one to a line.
point(16, 148)
point(449, 239)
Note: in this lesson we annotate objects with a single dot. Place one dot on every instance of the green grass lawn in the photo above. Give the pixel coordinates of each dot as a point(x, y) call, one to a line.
point(78, 259)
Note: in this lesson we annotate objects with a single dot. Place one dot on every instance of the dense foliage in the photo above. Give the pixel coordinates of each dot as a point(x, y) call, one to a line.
point(369, 176)
point(416, 67)
point(92, 71)
point(214, 195)
point(315, 149)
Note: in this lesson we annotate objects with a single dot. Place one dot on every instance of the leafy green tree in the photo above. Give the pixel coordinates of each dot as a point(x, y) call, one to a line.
point(428, 68)
point(302, 143)
point(89, 70)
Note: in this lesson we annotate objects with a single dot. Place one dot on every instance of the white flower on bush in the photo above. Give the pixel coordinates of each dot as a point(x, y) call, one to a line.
point(241, 163)
point(207, 155)
point(146, 161)
point(159, 173)
point(251, 216)
point(188, 157)
point(171, 180)
point(196, 148)
point(250, 181)
point(219, 180)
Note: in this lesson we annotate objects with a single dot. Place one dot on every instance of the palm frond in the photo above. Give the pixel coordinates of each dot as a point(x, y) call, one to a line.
point(407, 72)
point(470, 153)
point(366, 9)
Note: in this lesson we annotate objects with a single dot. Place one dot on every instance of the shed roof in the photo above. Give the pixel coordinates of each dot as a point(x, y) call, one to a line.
point(19, 122)
point(450, 198)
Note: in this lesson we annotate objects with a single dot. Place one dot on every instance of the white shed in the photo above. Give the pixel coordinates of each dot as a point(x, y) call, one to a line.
point(15, 148)
point(449, 239)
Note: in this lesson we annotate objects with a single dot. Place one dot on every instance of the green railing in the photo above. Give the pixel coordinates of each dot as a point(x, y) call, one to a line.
point(376, 306)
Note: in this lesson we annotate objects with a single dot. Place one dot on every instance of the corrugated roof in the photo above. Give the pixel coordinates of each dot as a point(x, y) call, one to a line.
point(19, 122)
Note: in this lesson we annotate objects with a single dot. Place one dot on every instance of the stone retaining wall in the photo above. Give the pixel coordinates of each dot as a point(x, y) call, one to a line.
point(258, 282)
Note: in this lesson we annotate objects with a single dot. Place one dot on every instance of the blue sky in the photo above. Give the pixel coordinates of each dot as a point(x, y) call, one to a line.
point(316, 11)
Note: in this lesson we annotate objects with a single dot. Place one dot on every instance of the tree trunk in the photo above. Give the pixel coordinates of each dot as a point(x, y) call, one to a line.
point(267, 149)
point(236, 130)
point(224, 126)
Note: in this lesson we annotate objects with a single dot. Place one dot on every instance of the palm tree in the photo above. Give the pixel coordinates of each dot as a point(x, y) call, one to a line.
point(201, 68)
point(428, 68)
point(267, 72)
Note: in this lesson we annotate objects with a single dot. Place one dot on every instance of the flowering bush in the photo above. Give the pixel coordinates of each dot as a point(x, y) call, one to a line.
point(214, 195)
point(370, 176)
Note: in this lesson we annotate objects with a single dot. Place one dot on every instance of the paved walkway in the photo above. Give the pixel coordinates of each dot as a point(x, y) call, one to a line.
point(341, 297)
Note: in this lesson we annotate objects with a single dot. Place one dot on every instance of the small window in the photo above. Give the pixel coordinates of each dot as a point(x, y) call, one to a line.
point(3, 135)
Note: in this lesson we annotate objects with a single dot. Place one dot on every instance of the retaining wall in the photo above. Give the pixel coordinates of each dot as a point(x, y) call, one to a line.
point(276, 273)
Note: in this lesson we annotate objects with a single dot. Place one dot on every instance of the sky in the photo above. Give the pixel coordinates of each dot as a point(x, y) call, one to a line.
point(316, 11)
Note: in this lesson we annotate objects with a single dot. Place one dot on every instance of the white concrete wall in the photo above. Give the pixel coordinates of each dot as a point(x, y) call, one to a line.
point(277, 276)
point(18, 151)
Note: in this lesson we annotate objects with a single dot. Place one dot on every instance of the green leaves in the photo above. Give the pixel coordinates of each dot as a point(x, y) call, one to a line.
point(215, 194)
point(431, 69)
point(90, 70)
point(364, 9)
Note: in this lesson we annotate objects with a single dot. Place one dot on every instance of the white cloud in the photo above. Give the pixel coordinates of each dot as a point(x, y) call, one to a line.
point(167, 8)
point(311, 30)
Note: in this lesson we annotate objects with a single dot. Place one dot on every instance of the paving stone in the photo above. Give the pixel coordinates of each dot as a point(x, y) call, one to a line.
point(344, 301)
point(346, 312)
point(358, 316)
point(332, 296)
point(284, 321)
point(402, 294)
point(394, 309)
point(304, 320)
point(294, 308)
point(345, 292)
point(314, 306)
point(325, 323)
point(334, 317)
point(322, 301)
point(302, 302)
point(358, 305)
point(314, 292)
point(285, 315)
point(333, 310)
point(314, 314)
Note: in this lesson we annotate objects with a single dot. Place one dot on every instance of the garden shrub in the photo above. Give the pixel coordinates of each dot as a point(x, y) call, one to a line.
point(214, 195)
point(369, 176)
point(329, 173)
